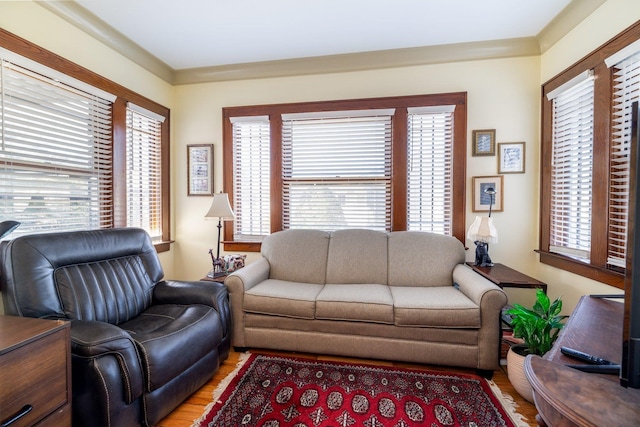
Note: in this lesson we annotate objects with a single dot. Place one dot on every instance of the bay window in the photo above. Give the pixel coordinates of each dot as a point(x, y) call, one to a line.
point(78, 151)
point(586, 136)
point(387, 164)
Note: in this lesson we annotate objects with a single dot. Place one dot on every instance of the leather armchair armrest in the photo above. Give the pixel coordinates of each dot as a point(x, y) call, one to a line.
point(212, 294)
point(93, 340)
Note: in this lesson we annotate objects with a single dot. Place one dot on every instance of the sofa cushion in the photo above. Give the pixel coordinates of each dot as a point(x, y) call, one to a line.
point(358, 302)
point(357, 256)
point(442, 306)
point(282, 298)
point(423, 259)
point(297, 255)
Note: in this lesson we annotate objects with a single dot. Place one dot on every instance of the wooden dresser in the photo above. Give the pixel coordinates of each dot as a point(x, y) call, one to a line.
point(567, 397)
point(35, 372)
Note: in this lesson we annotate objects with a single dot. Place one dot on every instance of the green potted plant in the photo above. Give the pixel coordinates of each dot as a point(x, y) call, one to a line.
point(538, 327)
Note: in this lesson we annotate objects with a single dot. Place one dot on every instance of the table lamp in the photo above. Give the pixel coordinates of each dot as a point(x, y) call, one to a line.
point(482, 232)
point(220, 208)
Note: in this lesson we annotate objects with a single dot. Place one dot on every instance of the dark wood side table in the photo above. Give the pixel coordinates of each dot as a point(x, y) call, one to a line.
point(507, 277)
point(35, 372)
point(567, 397)
point(219, 279)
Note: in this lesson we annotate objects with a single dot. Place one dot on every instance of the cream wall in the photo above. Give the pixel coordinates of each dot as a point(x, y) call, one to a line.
point(34, 23)
point(501, 94)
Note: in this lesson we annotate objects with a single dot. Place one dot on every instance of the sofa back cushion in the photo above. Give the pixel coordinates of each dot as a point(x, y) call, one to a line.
point(423, 259)
point(297, 255)
point(357, 256)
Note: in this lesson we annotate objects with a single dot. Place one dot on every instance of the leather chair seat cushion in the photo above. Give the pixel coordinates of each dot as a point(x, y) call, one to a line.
point(443, 306)
point(283, 298)
point(356, 302)
point(171, 338)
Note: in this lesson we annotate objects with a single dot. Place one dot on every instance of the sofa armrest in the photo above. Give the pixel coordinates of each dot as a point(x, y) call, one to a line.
point(483, 292)
point(247, 277)
point(238, 283)
point(91, 340)
point(490, 298)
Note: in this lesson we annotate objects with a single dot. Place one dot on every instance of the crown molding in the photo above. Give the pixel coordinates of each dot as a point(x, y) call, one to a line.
point(86, 21)
point(362, 61)
point(569, 18)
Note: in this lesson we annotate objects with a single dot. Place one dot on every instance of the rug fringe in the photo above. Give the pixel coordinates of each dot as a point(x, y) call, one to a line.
point(509, 405)
point(242, 359)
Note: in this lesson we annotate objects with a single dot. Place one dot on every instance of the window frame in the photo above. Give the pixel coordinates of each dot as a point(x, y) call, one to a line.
point(597, 268)
point(34, 52)
point(398, 155)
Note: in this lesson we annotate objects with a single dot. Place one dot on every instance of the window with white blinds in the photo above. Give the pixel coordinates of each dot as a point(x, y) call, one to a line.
point(251, 177)
point(144, 170)
point(55, 151)
point(430, 169)
point(572, 167)
point(336, 170)
point(626, 90)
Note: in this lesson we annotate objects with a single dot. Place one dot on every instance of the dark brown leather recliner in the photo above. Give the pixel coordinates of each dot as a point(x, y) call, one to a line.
point(140, 345)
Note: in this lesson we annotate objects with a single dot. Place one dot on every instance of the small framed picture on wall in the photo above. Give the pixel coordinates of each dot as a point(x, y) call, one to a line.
point(484, 142)
point(483, 186)
point(511, 157)
point(200, 170)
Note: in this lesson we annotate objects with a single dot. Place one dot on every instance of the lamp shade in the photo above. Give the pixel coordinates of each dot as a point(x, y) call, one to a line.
point(483, 230)
point(220, 207)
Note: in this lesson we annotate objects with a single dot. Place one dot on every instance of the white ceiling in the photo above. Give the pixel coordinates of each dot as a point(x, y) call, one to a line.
point(186, 34)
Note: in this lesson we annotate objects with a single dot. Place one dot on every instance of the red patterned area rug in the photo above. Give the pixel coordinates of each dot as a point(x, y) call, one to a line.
point(274, 391)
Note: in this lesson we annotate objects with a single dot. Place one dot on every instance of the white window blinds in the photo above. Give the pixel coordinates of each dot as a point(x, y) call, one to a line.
point(626, 72)
point(251, 177)
point(337, 170)
point(55, 151)
point(144, 170)
point(430, 169)
point(572, 166)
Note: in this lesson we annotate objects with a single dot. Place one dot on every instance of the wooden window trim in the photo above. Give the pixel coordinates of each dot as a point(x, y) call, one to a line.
point(34, 52)
point(597, 268)
point(399, 154)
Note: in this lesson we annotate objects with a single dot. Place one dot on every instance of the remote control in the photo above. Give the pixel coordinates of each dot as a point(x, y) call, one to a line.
point(597, 369)
point(584, 356)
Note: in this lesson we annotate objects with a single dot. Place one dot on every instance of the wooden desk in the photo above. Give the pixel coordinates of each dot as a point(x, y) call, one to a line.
point(507, 277)
point(567, 397)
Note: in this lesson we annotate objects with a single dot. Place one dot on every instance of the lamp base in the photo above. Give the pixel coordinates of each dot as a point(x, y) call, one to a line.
point(482, 254)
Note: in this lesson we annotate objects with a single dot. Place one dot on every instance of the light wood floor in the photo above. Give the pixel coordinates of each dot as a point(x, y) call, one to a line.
point(194, 406)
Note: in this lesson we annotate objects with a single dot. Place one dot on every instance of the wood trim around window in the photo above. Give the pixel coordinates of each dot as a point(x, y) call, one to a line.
point(597, 268)
point(399, 154)
point(34, 52)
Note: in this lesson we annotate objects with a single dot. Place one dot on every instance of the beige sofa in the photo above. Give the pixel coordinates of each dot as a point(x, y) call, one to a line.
point(405, 296)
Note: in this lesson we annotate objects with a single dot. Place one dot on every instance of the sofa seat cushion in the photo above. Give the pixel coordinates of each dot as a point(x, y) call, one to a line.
point(283, 298)
point(356, 302)
point(167, 339)
point(442, 306)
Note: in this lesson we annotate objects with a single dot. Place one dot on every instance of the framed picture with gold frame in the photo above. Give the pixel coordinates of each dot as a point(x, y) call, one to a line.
point(482, 200)
point(484, 142)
